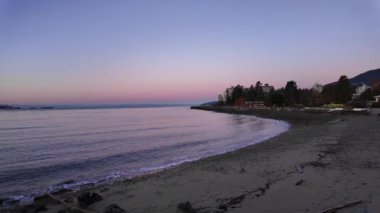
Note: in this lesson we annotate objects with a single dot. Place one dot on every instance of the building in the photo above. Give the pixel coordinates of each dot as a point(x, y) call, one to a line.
point(377, 98)
point(255, 104)
point(359, 90)
point(267, 89)
point(317, 88)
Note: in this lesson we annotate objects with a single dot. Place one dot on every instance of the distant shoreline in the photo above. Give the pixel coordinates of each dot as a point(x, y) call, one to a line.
point(76, 107)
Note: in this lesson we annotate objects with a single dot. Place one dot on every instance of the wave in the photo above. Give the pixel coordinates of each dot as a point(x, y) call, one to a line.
point(90, 161)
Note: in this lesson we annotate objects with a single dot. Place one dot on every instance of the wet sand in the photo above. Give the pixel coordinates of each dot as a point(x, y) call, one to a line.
point(322, 161)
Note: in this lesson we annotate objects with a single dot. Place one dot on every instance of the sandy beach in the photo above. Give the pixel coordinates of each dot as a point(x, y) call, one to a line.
point(323, 161)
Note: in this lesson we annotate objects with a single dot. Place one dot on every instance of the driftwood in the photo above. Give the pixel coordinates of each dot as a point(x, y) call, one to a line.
point(68, 205)
point(299, 182)
point(341, 206)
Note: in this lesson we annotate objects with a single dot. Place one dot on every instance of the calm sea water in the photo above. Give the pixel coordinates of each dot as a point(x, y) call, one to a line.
point(43, 151)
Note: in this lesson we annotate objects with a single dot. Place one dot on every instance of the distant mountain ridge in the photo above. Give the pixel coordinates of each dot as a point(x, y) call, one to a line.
point(211, 103)
point(369, 78)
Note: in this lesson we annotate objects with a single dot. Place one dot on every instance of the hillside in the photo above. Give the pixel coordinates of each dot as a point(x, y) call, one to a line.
point(370, 78)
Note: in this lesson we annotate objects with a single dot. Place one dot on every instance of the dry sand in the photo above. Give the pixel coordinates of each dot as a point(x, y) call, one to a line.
point(339, 156)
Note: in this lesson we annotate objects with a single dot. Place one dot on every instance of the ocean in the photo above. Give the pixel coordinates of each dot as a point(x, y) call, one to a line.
point(49, 150)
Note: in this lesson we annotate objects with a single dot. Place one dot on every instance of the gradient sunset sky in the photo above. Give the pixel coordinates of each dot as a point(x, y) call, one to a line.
point(121, 51)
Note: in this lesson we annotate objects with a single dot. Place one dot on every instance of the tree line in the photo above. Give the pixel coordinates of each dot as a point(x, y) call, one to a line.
point(291, 95)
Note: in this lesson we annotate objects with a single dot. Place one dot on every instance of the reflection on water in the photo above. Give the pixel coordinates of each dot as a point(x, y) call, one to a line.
point(39, 150)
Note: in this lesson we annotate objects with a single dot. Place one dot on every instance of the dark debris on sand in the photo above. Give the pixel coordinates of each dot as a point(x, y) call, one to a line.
point(234, 202)
point(114, 208)
point(186, 207)
point(88, 198)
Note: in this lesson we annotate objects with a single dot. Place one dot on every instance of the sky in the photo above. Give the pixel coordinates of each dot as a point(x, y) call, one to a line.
point(180, 51)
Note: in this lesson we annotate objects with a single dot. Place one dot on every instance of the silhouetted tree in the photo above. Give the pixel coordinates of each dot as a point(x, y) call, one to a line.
point(276, 98)
point(367, 95)
point(376, 89)
point(305, 97)
point(259, 93)
point(228, 100)
point(291, 93)
point(328, 94)
point(250, 94)
point(237, 93)
point(344, 90)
